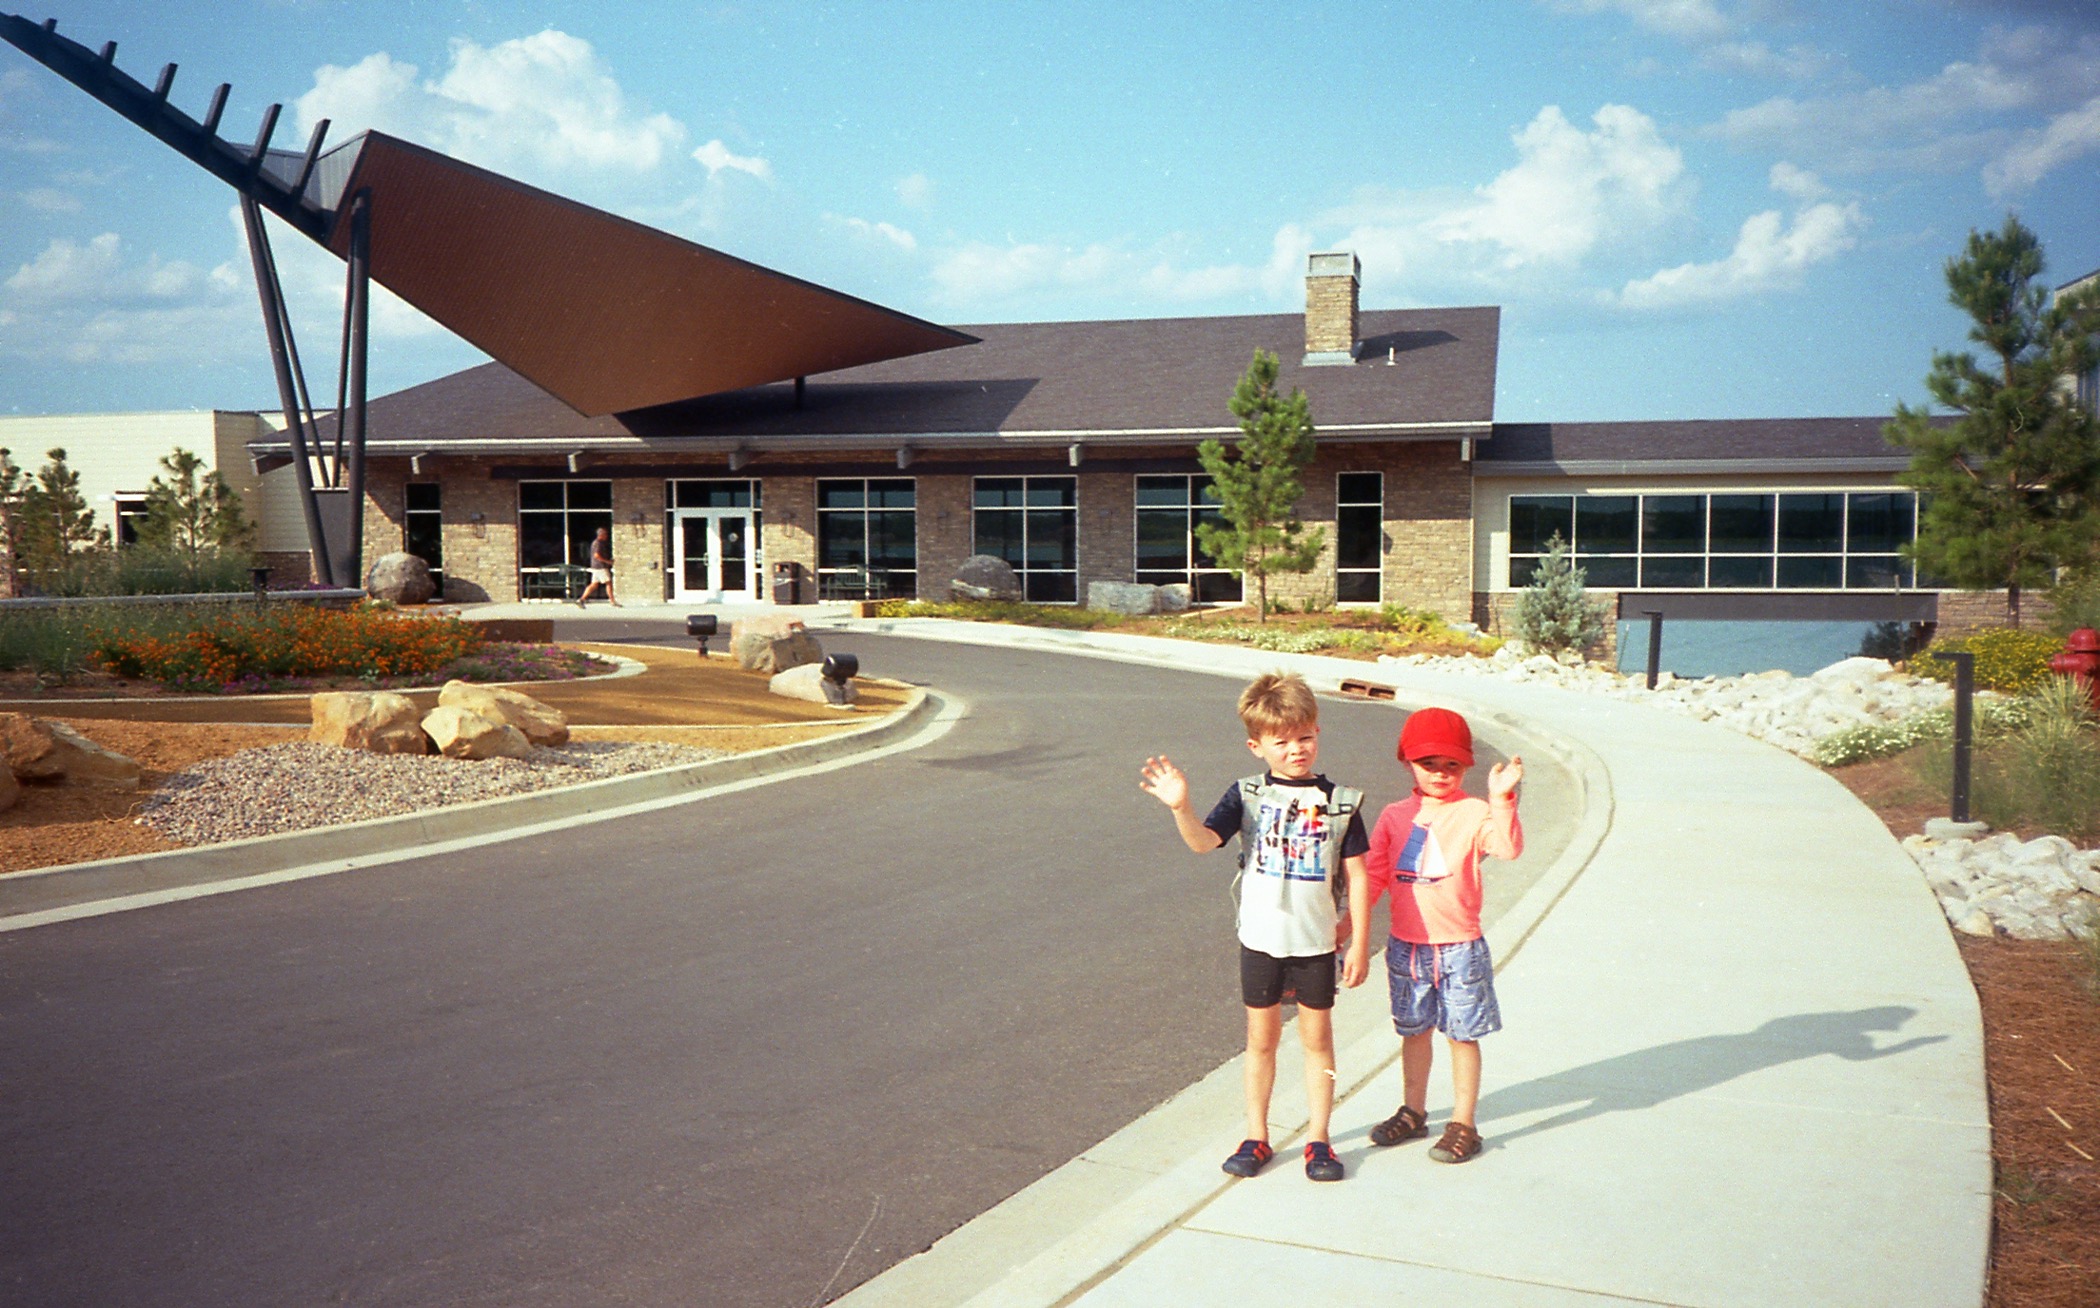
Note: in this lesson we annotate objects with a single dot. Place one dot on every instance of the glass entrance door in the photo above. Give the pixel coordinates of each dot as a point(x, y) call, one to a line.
point(714, 555)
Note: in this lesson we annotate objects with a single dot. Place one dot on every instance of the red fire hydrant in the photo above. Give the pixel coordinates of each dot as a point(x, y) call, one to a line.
point(2081, 660)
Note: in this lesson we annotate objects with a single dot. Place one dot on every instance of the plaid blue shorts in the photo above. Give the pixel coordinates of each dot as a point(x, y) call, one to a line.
point(1448, 987)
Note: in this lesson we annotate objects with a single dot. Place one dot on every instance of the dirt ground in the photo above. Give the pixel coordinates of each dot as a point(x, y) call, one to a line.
point(680, 700)
point(2041, 1031)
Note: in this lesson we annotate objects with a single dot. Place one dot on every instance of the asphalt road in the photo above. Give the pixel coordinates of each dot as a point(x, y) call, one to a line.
point(744, 1051)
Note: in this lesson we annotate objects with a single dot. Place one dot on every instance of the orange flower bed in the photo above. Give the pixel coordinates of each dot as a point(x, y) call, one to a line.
point(287, 641)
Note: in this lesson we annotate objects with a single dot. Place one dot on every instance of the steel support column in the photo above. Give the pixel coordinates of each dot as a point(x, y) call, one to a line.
point(278, 328)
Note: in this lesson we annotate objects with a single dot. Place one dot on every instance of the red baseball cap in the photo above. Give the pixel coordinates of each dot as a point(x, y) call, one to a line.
point(1436, 733)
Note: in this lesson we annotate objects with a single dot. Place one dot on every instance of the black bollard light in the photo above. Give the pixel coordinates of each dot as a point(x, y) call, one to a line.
point(1964, 728)
point(841, 668)
point(700, 626)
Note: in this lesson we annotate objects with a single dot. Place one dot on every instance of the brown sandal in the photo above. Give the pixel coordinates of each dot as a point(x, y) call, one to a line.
point(1405, 1125)
point(1460, 1142)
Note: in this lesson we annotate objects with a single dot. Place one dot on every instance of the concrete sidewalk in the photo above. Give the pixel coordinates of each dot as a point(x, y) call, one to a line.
point(1743, 1064)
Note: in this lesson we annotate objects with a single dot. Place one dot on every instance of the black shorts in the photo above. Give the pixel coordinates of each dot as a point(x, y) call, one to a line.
point(1265, 981)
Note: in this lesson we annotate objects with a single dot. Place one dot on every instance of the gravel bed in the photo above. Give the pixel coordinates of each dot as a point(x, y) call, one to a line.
point(262, 792)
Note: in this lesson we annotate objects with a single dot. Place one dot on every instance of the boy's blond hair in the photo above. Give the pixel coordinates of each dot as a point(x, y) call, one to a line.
point(1275, 702)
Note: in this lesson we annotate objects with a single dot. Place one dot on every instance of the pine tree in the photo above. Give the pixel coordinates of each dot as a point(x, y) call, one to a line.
point(10, 522)
point(1257, 483)
point(56, 521)
point(1555, 612)
point(2011, 488)
point(192, 514)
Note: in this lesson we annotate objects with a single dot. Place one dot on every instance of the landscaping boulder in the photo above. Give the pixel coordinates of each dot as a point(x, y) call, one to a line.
point(10, 789)
point(807, 682)
point(38, 749)
point(540, 723)
point(401, 578)
point(1177, 598)
point(460, 734)
point(770, 643)
point(1133, 598)
point(985, 577)
point(381, 723)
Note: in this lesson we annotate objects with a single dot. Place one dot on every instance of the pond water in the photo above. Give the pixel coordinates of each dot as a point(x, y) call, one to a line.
point(1696, 647)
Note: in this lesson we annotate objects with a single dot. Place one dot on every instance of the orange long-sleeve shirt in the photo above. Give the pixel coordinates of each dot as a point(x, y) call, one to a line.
point(1428, 852)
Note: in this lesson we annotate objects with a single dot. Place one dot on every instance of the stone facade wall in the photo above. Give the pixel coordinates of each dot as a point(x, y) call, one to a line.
point(1427, 524)
point(1967, 610)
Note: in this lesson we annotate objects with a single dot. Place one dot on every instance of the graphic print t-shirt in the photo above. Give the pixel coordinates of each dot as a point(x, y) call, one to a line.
point(1286, 907)
point(1428, 853)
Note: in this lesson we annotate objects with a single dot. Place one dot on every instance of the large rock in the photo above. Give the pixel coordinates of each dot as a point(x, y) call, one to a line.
point(460, 734)
point(1129, 597)
point(381, 722)
point(770, 643)
point(10, 789)
point(540, 723)
point(1177, 598)
point(807, 682)
point(38, 749)
point(985, 577)
point(401, 578)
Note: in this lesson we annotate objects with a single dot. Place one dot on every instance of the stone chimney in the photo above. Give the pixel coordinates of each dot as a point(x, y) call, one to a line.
point(1330, 307)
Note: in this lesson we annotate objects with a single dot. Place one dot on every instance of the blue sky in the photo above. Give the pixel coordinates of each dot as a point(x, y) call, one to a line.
point(1687, 208)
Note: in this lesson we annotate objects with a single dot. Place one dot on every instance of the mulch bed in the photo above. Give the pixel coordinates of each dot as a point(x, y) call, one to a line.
point(2041, 1030)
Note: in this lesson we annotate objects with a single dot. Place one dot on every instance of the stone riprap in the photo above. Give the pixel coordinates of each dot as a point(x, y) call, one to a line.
point(770, 643)
point(381, 721)
point(462, 734)
point(1777, 707)
point(2041, 889)
point(278, 788)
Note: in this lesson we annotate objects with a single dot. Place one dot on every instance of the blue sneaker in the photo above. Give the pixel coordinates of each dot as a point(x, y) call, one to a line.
point(1249, 1158)
point(1321, 1164)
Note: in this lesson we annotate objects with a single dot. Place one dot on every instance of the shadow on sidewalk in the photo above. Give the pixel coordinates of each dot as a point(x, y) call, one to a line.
point(1648, 1077)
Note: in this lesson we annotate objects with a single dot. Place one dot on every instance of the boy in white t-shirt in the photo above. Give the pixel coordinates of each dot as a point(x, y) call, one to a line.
point(1299, 835)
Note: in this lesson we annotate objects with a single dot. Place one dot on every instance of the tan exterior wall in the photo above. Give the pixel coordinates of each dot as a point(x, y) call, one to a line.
point(114, 453)
point(1428, 534)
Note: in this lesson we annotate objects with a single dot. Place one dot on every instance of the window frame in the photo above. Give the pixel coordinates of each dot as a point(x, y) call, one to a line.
point(1378, 532)
point(410, 515)
point(572, 573)
point(1208, 583)
point(863, 580)
point(1025, 571)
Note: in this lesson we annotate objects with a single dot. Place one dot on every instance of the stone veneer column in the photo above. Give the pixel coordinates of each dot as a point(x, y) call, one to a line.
point(385, 513)
point(480, 521)
point(790, 507)
point(1107, 525)
point(946, 534)
point(638, 538)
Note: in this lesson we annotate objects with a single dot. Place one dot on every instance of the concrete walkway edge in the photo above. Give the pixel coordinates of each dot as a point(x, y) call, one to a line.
point(38, 896)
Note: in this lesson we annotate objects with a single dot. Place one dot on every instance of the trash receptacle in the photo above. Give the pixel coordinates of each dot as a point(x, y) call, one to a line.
point(787, 583)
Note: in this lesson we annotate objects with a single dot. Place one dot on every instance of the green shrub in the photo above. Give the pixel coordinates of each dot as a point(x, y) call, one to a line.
point(2007, 658)
point(139, 570)
point(2037, 768)
point(1555, 612)
point(60, 643)
point(2075, 602)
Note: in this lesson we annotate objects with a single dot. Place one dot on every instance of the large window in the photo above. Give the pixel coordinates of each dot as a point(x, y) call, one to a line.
point(867, 538)
point(1811, 540)
point(1032, 523)
point(557, 521)
point(1168, 511)
point(422, 529)
point(130, 514)
point(1359, 536)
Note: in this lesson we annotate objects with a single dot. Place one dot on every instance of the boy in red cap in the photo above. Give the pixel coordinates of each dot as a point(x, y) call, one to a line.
point(1428, 848)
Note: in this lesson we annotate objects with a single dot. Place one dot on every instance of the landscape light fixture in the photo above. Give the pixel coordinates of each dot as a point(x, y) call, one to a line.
point(841, 668)
point(700, 626)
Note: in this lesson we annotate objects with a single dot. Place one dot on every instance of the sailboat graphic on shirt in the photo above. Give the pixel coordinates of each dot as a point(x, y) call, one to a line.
point(1420, 859)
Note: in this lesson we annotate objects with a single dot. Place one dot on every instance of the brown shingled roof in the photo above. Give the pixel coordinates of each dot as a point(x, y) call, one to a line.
point(1840, 444)
point(1162, 378)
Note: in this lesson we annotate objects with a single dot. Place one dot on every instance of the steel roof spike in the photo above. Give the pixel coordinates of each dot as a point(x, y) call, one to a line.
point(306, 165)
point(263, 134)
point(109, 52)
point(165, 84)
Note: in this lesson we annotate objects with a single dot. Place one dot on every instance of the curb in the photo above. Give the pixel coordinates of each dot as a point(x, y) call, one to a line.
point(975, 1265)
point(38, 896)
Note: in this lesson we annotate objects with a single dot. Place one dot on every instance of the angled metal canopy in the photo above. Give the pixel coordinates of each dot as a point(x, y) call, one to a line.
point(605, 314)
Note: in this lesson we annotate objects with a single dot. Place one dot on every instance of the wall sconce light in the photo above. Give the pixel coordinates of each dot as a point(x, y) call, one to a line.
point(1075, 453)
point(739, 459)
point(904, 453)
point(576, 461)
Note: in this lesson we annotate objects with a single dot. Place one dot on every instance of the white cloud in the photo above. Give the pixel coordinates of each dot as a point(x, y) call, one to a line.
point(982, 271)
point(543, 101)
point(889, 232)
point(1691, 20)
point(68, 271)
point(1799, 183)
point(1965, 114)
point(916, 191)
point(716, 156)
point(1757, 59)
point(86, 302)
point(1768, 254)
point(48, 199)
point(1570, 189)
point(2035, 154)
